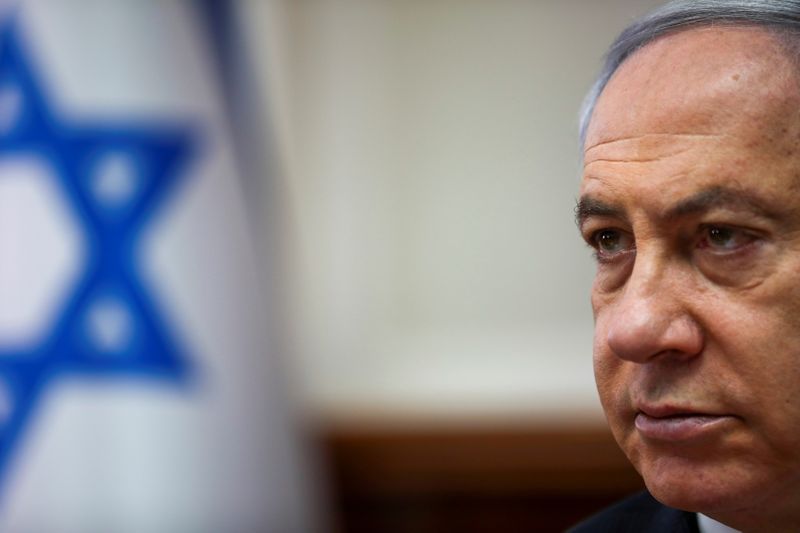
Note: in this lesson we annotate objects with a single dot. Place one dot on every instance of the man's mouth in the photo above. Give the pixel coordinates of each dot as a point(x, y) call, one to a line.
point(676, 424)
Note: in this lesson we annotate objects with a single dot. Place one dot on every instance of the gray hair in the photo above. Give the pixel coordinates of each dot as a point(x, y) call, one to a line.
point(780, 16)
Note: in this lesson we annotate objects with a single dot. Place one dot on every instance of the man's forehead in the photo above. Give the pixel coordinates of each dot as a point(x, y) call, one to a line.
point(695, 81)
point(647, 147)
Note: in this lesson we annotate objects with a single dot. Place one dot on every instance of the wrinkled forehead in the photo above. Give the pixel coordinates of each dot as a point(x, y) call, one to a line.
point(701, 81)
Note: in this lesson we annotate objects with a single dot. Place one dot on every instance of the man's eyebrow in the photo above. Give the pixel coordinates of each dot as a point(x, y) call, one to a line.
point(720, 196)
point(588, 207)
point(705, 200)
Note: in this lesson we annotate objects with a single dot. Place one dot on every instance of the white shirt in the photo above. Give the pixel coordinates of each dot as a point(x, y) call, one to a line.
point(709, 525)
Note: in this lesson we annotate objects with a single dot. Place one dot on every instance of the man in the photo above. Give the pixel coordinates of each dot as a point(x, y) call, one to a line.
point(691, 199)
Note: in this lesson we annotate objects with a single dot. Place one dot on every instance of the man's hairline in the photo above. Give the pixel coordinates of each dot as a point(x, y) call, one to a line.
point(787, 39)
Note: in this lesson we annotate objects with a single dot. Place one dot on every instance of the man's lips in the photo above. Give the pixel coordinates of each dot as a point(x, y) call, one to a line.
point(667, 423)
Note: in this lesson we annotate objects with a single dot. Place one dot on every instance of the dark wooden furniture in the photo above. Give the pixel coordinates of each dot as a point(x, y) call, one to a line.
point(473, 480)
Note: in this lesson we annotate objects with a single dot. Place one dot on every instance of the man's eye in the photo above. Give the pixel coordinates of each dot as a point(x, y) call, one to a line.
point(611, 241)
point(725, 239)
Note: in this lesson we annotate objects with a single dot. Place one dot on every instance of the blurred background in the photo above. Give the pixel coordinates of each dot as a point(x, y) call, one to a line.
point(437, 289)
point(363, 299)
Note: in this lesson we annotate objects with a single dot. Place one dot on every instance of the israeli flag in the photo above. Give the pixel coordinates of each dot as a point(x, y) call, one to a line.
point(137, 389)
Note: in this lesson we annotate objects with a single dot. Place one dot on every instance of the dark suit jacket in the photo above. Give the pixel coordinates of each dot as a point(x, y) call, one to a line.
point(639, 513)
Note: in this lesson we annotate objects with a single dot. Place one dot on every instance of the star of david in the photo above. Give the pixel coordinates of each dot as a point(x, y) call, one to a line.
point(109, 288)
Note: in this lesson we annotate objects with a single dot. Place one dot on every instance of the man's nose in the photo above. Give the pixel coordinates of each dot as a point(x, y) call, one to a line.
point(652, 317)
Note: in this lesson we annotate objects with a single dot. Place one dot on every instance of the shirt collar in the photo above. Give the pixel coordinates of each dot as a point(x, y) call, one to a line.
point(709, 525)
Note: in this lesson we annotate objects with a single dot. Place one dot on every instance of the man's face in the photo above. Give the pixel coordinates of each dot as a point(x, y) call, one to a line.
point(691, 197)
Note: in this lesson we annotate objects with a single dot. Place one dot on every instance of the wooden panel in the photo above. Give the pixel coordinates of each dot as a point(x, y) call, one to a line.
point(472, 480)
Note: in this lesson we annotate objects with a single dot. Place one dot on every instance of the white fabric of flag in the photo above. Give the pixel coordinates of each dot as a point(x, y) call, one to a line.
point(136, 389)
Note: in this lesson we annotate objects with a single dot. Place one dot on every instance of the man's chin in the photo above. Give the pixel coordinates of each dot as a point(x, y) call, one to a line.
point(683, 494)
point(700, 486)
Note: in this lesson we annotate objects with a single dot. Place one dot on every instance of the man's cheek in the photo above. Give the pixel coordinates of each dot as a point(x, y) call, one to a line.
point(606, 375)
point(604, 359)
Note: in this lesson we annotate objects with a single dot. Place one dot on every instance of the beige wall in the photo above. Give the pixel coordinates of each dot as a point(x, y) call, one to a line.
point(429, 165)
